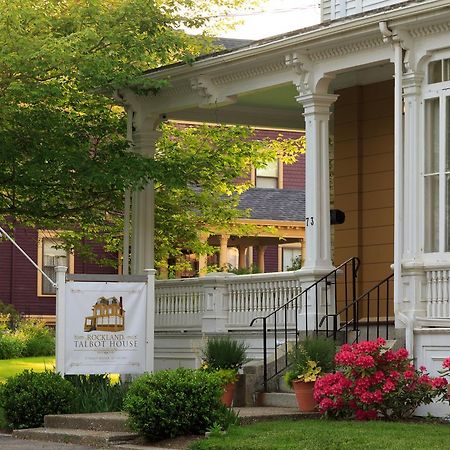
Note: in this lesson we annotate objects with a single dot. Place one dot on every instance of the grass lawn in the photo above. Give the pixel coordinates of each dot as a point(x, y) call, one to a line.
point(331, 435)
point(10, 367)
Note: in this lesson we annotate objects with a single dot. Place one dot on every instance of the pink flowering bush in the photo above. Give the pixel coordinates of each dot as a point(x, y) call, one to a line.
point(372, 381)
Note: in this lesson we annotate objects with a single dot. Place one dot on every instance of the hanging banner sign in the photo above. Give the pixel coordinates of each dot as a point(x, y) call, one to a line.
point(105, 327)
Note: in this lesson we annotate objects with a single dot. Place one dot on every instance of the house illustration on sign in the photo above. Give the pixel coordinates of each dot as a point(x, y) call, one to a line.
point(107, 315)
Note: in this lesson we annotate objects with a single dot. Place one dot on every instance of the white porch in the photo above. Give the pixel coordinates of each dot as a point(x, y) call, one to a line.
point(294, 81)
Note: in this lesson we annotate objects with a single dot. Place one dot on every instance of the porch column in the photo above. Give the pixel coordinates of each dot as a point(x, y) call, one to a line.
point(413, 212)
point(317, 183)
point(203, 258)
point(223, 255)
point(143, 203)
point(413, 276)
point(242, 259)
point(261, 254)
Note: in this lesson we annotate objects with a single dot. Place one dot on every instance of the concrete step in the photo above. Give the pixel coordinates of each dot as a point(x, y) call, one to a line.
point(114, 421)
point(277, 399)
point(253, 414)
point(82, 437)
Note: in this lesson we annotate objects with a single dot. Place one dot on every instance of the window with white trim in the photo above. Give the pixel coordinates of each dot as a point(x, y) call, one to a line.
point(50, 256)
point(437, 157)
point(290, 256)
point(268, 176)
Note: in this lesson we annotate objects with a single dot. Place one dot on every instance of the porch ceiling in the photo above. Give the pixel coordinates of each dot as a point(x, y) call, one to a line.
point(273, 107)
point(276, 107)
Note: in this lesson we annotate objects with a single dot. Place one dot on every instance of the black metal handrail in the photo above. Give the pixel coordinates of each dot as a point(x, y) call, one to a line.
point(352, 312)
point(347, 271)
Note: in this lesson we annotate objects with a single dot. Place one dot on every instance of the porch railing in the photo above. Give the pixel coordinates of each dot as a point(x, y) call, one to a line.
point(179, 304)
point(191, 303)
point(367, 316)
point(318, 299)
point(438, 293)
point(253, 295)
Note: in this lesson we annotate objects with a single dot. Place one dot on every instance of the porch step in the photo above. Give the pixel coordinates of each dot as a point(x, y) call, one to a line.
point(95, 421)
point(99, 429)
point(104, 430)
point(277, 399)
point(74, 436)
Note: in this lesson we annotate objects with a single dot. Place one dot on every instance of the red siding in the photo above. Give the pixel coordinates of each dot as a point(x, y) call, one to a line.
point(18, 278)
point(294, 174)
point(271, 259)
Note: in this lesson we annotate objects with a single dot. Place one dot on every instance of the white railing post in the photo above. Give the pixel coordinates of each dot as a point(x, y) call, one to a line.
point(150, 321)
point(313, 301)
point(215, 317)
point(60, 318)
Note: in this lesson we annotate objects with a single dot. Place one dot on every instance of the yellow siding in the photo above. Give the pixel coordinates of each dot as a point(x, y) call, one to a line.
point(364, 179)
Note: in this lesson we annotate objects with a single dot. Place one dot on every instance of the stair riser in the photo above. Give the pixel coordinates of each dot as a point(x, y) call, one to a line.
point(277, 399)
point(42, 434)
point(87, 423)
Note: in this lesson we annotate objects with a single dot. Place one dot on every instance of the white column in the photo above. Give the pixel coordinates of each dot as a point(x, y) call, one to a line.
point(413, 210)
point(411, 304)
point(150, 322)
point(60, 318)
point(317, 186)
point(143, 207)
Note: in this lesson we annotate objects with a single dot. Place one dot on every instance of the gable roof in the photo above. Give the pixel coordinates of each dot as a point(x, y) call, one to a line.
point(324, 26)
point(231, 43)
point(274, 204)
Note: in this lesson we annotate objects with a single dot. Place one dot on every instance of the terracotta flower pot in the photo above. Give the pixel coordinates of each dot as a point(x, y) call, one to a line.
point(304, 393)
point(228, 394)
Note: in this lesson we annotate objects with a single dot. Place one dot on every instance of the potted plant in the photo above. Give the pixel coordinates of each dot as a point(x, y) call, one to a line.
point(225, 356)
point(310, 359)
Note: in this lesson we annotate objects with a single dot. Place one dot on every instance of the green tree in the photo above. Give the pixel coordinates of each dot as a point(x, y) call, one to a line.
point(64, 159)
point(197, 192)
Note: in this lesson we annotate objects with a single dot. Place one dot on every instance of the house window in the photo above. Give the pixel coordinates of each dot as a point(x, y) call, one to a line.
point(49, 256)
point(439, 71)
point(233, 257)
point(437, 158)
point(290, 256)
point(268, 176)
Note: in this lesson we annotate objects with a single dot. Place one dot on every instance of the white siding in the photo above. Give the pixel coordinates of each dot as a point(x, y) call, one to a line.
point(334, 9)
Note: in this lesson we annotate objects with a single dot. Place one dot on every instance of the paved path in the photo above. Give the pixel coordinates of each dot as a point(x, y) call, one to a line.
point(9, 443)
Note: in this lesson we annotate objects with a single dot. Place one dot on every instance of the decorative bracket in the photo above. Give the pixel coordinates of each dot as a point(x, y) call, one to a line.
point(302, 68)
point(209, 94)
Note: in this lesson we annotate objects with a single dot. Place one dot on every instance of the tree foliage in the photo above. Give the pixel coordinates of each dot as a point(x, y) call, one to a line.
point(198, 191)
point(64, 157)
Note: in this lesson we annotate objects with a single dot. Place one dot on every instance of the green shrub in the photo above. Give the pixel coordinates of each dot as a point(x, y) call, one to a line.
point(38, 339)
point(96, 393)
point(26, 398)
point(13, 316)
point(11, 345)
point(310, 359)
point(176, 402)
point(224, 353)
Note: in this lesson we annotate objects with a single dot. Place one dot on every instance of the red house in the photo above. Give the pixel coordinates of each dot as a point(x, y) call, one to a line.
point(22, 286)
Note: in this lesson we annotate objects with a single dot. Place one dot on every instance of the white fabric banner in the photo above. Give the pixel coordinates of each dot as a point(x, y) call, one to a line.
point(105, 327)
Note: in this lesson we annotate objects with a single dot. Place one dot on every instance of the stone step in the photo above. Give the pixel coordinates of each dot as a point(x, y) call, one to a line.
point(248, 415)
point(114, 421)
point(72, 436)
point(277, 399)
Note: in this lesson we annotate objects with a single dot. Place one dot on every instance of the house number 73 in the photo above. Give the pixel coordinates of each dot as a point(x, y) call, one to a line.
point(309, 221)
